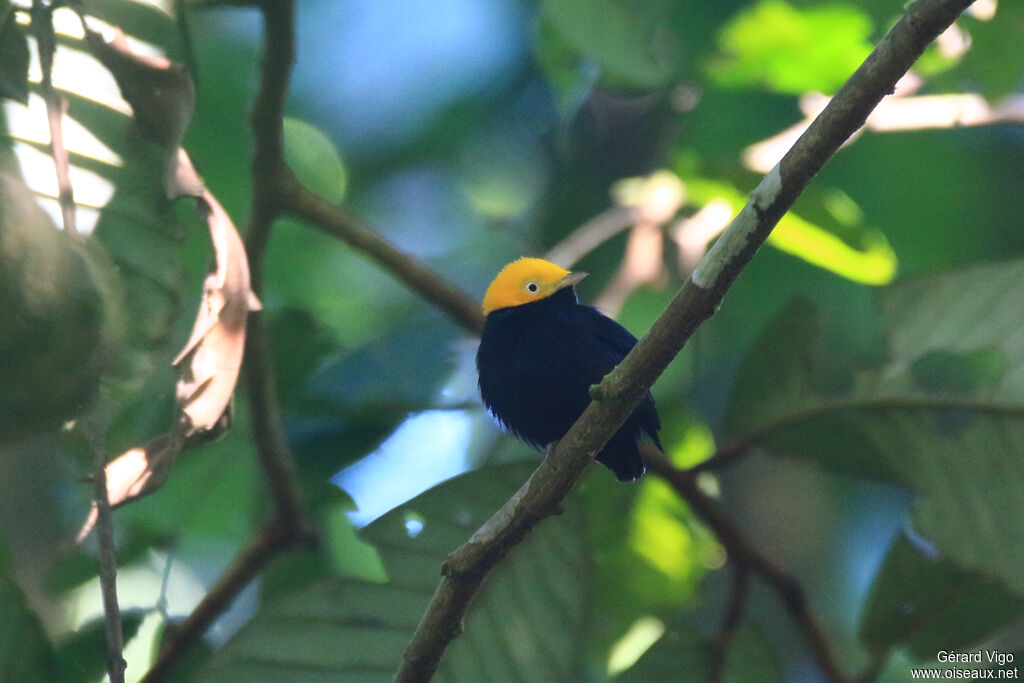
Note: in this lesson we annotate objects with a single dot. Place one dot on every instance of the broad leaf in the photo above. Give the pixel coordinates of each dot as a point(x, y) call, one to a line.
point(83, 654)
point(792, 49)
point(630, 46)
point(25, 653)
point(942, 415)
point(526, 623)
point(684, 654)
point(926, 604)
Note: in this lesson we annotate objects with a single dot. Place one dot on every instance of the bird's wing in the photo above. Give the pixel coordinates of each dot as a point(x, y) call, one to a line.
point(614, 341)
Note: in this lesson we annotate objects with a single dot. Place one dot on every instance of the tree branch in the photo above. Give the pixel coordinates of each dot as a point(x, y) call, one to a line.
point(270, 175)
point(107, 557)
point(46, 46)
point(620, 392)
point(730, 621)
point(273, 539)
point(742, 551)
point(423, 280)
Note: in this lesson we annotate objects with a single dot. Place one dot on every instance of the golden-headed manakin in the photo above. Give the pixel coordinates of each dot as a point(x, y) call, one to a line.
point(541, 351)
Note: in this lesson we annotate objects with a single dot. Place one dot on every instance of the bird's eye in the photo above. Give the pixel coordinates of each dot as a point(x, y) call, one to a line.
point(532, 287)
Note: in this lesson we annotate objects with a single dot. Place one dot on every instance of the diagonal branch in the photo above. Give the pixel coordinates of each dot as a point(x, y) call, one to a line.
point(273, 539)
point(56, 106)
point(419, 278)
point(620, 392)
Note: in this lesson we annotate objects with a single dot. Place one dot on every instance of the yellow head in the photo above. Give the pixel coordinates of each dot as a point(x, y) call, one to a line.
point(527, 280)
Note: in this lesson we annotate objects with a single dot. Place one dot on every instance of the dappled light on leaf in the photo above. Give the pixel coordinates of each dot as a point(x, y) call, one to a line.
point(137, 472)
point(160, 92)
point(644, 633)
point(664, 535)
point(793, 49)
point(872, 261)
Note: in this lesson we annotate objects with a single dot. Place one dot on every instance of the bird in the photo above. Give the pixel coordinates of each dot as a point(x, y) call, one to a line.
point(541, 351)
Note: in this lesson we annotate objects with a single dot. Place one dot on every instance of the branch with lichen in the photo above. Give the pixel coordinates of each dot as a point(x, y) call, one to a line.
point(700, 296)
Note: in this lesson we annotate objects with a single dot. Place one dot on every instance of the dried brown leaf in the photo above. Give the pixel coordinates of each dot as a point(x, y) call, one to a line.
point(212, 357)
point(137, 472)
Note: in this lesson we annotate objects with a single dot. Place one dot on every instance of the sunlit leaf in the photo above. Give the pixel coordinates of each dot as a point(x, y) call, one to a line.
point(792, 49)
point(870, 260)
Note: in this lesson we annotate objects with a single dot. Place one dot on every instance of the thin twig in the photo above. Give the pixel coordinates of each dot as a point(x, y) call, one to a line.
point(273, 539)
point(743, 552)
point(107, 557)
point(724, 457)
point(620, 392)
point(56, 106)
point(738, 593)
point(593, 234)
point(423, 280)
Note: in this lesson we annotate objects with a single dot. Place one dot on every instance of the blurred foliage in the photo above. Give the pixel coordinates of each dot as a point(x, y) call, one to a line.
point(898, 405)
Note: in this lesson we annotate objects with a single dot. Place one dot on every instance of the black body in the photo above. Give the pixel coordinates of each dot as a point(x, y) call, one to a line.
point(536, 364)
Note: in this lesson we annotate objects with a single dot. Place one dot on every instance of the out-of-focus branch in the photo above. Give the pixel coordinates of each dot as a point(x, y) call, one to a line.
point(270, 177)
point(592, 234)
point(46, 45)
point(895, 114)
point(421, 279)
point(620, 392)
point(743, 552)
point(273, 539)
point(738, 591)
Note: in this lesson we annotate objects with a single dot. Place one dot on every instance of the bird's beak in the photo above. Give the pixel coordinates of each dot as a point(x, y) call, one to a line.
point(571, 279)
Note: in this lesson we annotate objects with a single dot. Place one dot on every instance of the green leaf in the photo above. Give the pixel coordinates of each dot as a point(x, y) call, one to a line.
point(400, 370)
point(684, 654)
point(627, 40)
point(954, 439)
point(56, 323)
point(26, 655)
point(793, 50)
point(314, 159)
point(845, 246)
point(942, 371)
point(117, 176)
point(994, 63)
point(526, 623)
point(82, 656)
point(927, 604)
point(14, 56)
